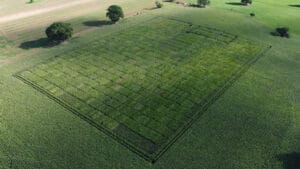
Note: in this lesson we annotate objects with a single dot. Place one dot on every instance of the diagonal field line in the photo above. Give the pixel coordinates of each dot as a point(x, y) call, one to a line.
point(22, 15)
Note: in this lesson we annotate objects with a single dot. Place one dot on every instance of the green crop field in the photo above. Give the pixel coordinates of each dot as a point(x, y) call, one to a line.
point(182, 87)
point(147, 99)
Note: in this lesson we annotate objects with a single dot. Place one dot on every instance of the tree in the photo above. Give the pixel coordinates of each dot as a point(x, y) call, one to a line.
point(115, 12)
point(59, 31)
point(282, 32)
point(158, 4)
point(246, 2)
point(203, 3)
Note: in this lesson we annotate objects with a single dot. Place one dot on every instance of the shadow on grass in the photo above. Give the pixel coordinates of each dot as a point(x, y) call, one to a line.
point(97, 23)
point(152, 8)
point(295, 6)
point(235, 3)
point(290, 161)
point(39, 43)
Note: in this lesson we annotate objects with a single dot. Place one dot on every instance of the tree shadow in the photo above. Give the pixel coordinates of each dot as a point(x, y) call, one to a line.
point(39, 43)
point(97, 23)
point(295, 6)
point(290, 161)
point(151, 8)
point(235, 3)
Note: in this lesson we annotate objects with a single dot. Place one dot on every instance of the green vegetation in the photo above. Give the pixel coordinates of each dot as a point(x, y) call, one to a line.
point(149, 98)
point(158, 4)
point(254, 124)
point(203, 3)
point(29, 33)
point(59, 31)
point(246, 2)
point(115, 13)
point(5, 47)
point(282, 32)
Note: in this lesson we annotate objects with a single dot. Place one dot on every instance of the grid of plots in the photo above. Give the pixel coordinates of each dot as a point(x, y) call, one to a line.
point(144, 85)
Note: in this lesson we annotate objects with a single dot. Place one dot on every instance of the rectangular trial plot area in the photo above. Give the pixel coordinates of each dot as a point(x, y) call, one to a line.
point(145, 85)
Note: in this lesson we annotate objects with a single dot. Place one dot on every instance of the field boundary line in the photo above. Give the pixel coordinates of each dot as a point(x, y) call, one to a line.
point(80, 115)
point(197, 110)
point(201, 108)
point(209, 100)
